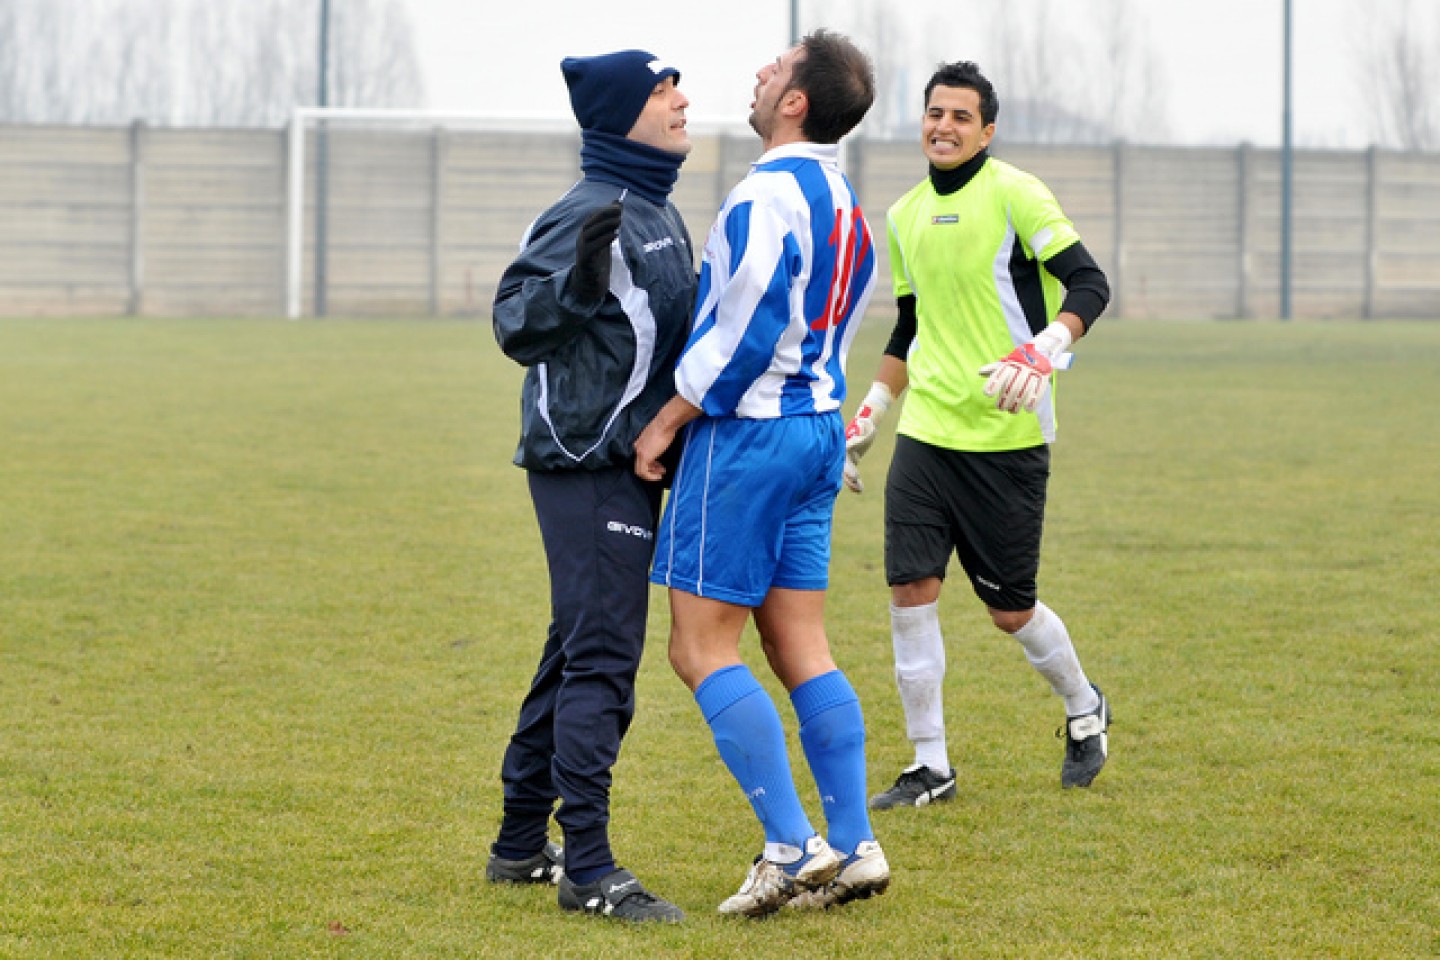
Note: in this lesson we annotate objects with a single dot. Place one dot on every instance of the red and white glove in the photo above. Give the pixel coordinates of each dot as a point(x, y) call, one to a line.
point(1021, 380)
point(860, 434)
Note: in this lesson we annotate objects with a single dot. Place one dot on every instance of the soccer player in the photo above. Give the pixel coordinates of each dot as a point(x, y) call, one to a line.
point(786, 274)
point(979, 253)
point(597, 307)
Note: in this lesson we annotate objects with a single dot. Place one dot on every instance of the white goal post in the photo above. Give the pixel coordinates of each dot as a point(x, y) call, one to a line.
point(295, 185)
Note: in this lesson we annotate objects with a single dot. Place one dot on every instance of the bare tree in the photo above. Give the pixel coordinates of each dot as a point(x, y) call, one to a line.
point(374, 63)
point(1129, 84)
point(251, 64)
point(1051, 92)
point(58, 61)
point(198, 62)
point(134, 52)
point(1400, 70)
point(882, 35)
point(1025, 67)
point(48, 87)
point(11, 44)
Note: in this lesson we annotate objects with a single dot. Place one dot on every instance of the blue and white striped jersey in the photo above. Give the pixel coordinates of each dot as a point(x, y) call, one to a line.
point(788, 270)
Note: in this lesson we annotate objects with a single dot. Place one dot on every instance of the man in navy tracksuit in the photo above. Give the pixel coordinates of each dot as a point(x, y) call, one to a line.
point(597, 307)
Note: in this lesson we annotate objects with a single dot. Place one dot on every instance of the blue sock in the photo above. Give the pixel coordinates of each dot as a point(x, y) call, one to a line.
point(751, 741)
point(832, 731)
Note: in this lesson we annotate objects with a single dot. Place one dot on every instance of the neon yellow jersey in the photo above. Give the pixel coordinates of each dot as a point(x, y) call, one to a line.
point(972, 260)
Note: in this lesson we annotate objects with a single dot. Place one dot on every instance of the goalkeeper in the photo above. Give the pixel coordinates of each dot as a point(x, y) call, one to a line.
point(979, 253)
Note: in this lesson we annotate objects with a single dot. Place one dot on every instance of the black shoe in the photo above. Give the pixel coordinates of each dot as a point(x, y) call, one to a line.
point(547, 866)
point(618, 894)
point(1086, 745)
point(915, 787)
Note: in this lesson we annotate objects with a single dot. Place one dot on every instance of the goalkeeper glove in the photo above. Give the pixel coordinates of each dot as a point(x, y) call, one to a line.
point(1020, 380)
point(860, 434)
point(590, 277)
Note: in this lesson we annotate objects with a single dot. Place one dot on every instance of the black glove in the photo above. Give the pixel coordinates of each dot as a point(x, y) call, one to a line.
point(591, 276)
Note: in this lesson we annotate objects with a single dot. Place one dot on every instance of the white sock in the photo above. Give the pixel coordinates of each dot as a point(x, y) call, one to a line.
point(1048, 648)
point(919, 675)
point(777, 852)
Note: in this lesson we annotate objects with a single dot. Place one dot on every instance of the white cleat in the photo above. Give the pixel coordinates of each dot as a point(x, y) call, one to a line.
point(769, 885)
point(865, 873)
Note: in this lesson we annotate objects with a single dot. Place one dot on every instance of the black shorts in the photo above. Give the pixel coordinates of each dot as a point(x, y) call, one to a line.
point(989, 508)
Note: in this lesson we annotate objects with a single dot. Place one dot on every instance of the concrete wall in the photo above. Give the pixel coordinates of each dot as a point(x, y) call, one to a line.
point(421, 222)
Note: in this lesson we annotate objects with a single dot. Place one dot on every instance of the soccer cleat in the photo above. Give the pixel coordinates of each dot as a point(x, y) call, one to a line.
point(547, 866)
point(769, 885)
point(865, 873)
point(1086, 745)
point(619, 895)
point(915, 787)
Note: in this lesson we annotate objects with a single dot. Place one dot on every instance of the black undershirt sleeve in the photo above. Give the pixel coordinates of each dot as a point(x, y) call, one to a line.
point(1087, 292)
point(904, 333)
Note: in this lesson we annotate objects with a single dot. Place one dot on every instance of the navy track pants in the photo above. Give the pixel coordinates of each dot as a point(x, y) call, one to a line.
point(598, 529)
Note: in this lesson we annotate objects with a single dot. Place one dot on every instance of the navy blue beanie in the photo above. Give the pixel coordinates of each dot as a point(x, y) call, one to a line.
point(608, 92)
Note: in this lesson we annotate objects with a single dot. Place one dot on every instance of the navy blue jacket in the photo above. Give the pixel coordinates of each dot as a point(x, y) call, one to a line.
point(597, 375)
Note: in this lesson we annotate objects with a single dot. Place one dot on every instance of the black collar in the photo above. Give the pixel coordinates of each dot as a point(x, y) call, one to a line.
point(947, 182)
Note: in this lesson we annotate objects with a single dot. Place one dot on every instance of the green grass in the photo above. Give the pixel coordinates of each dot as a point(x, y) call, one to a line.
point(270, 593)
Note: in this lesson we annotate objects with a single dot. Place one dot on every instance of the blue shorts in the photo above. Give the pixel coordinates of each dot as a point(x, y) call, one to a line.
point(751, 508)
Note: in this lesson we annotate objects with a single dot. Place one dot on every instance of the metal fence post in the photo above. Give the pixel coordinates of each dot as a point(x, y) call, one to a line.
point(1117, 278)
point(1242, 231)
point(1372, 216)
point(322, 217)
point(439, 151)
point(137, 218)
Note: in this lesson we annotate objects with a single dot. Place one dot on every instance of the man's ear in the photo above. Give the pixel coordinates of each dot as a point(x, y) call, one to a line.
point(795, 104)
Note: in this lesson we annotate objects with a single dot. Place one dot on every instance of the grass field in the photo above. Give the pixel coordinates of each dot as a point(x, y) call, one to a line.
point(270, 593)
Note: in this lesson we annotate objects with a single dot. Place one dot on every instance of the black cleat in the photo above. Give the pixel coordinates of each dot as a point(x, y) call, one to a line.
point(915, 787)
point(1086, 745)
point(620, 895)
point(547, 866)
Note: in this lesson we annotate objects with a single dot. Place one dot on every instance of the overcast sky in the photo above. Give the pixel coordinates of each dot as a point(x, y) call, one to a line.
point(1220, 61)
